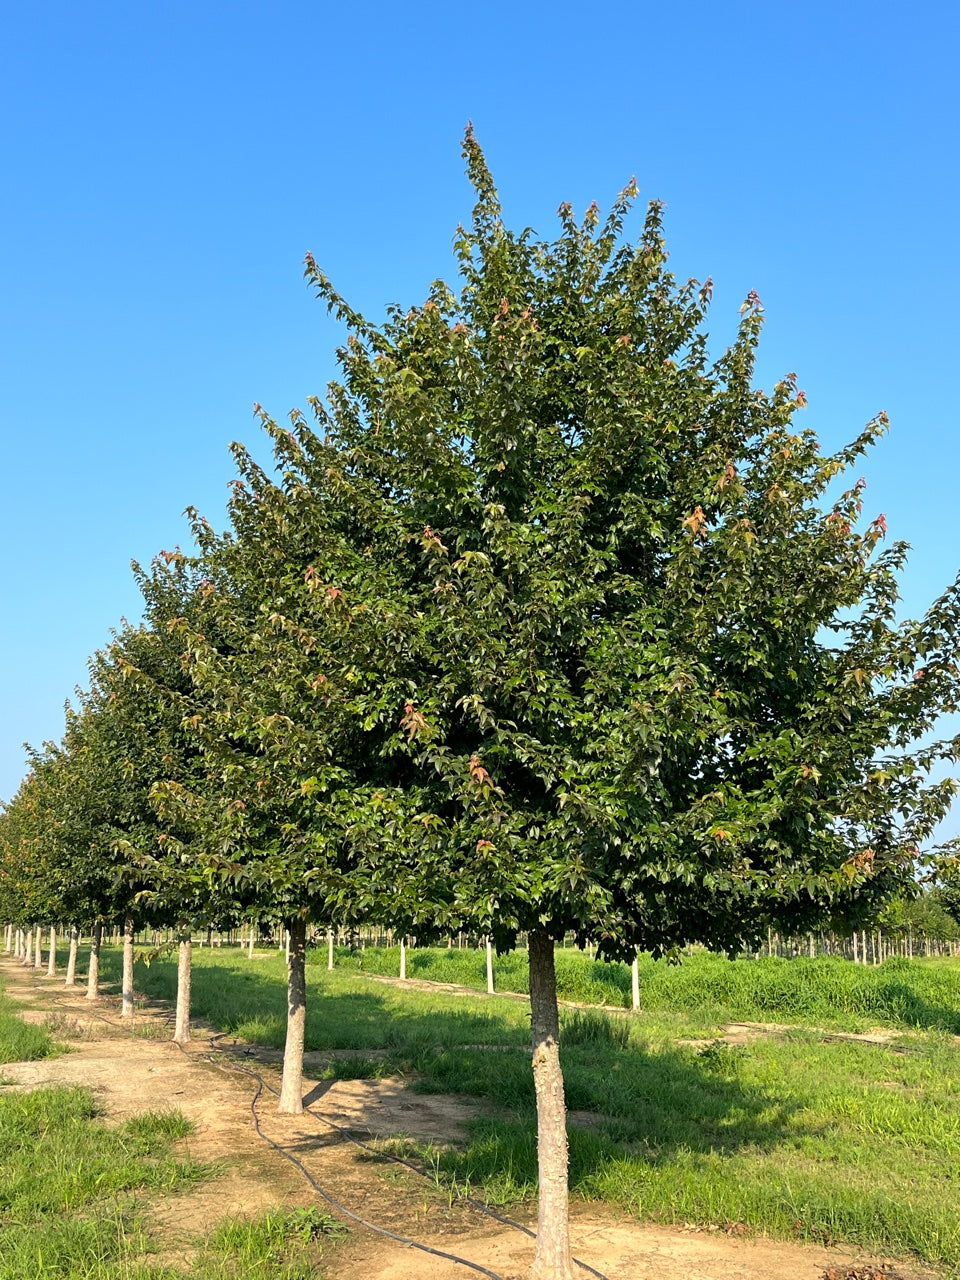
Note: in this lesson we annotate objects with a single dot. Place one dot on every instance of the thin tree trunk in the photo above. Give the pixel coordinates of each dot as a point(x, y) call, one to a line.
point(38, 949)
point(93, 967)
point(8, 943)
point(291, 1087)
point(552, 1260)
point(18, 944)
point(251, 940)
point(181, 1033)
point(27, 960)
point(403, 957)
point(287, 948)
point(126, 989)
point(489, 967)
point(71, 979)
point(635, 983)
point(330, 950)
point(52, 958)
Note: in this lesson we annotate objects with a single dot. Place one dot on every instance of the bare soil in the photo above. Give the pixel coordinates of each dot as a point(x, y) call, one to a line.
point(130, 1072)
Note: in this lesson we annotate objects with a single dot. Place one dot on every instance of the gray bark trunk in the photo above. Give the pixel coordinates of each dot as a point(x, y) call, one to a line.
point(71, 979)
point(93, 968)
point(552, 1260)
point(181, 1033)
point(52, 957)
point(291, 1088)
point(126, 989)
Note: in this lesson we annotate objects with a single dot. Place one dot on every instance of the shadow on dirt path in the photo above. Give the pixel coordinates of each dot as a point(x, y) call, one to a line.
point(130, 1071)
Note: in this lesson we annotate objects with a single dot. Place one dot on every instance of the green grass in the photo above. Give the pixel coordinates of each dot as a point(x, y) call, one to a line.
point(796, 1134)
point(21, 1041)
point(825, 991)
point(75, 1192)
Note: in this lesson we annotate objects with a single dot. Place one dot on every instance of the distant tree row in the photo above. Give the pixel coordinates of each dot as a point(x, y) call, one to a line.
point(547, 623)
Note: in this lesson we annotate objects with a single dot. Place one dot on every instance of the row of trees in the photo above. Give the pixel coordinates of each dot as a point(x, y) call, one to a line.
point(545, 623)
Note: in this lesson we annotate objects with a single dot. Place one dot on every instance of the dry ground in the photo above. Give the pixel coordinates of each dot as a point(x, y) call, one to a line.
point(129, 1073)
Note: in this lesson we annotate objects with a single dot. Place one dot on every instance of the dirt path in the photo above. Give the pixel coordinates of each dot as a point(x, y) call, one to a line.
point(130, 1073)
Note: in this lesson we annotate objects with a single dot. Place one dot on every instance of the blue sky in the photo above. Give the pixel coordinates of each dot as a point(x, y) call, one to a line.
point(167, 166)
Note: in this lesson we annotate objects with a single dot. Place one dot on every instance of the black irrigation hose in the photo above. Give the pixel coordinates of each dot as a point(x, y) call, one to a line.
point(340, 1208)
point(413, 1244)
point(407, 1164)
point(381, 1231)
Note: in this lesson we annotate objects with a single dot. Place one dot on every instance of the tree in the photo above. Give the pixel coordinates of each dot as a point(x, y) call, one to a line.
point(645, 678)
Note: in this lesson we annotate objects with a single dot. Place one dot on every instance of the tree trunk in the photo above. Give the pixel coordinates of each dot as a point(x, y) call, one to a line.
point(93, 967)
point(52, 958)
point(251, 940)
point(403, 957)
point(489, 967)
point(635, 983)
point(8, 943)
point(38, 949)
point(552, 1260)
point(126, 989)
point(71, 979)
point(27, 960)
point(291, 1088)
point(330, 950)
point(181, 1032)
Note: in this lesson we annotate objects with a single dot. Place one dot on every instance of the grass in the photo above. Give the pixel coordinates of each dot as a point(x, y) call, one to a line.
point(75, 1192)
point(824, 991)
point(798, 1135)
point(21, 1041)
point(69, 1184)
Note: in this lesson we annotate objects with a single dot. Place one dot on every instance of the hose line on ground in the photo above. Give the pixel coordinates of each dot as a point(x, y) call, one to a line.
point(413, 1244)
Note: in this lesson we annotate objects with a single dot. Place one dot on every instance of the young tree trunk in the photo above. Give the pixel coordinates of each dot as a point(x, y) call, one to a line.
point(93, 967)
point(330, 950)
point(18, 944)
point(52, 957)
point(251, 940)
point(126, 989)
point(552, 1260)
point(635, 983)
point(181, 1032)
point(8, 943)
point(27, 960)
point(489, 967)
point(38, 949)
point(291, 1087)
point(403, 957)
point(71, 979)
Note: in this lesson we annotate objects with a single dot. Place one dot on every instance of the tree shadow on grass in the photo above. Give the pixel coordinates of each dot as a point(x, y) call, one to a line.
point(627, 1101)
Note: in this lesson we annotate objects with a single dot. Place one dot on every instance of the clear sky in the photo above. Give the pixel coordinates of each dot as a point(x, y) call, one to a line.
point(165, 167)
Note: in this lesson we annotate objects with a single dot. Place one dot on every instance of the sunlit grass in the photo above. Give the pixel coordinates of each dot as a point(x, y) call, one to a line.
point(795, 1134)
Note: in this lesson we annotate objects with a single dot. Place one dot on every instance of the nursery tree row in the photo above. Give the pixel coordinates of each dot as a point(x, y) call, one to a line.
point(544, 621)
